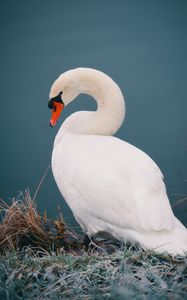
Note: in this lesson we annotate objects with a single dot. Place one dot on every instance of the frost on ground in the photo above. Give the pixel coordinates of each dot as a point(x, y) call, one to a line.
point(124, 274)
point(43, 259)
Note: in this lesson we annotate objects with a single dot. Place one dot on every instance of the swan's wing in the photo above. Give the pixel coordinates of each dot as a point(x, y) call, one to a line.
point(115, 182)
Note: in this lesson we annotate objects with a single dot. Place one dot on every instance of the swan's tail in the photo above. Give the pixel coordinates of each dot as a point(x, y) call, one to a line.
point(173, 242)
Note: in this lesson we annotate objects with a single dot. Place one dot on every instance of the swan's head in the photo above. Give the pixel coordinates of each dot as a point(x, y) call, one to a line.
point(63, 91)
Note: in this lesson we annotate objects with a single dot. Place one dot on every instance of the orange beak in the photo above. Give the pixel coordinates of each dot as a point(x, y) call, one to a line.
point(56, 111)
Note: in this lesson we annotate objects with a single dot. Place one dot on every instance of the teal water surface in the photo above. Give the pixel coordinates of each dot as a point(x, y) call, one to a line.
point(141, 44)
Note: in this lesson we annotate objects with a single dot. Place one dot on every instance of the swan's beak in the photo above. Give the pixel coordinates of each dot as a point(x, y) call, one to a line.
point(56, 111)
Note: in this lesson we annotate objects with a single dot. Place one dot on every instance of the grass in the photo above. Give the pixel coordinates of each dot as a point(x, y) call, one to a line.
point(23, 225)
point(41, 258)
point(124, 274)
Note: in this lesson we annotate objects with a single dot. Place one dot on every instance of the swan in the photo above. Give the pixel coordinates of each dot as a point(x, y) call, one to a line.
point(111, 186)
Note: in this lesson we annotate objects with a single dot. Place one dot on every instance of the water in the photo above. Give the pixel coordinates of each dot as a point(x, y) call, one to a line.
point(140, 44)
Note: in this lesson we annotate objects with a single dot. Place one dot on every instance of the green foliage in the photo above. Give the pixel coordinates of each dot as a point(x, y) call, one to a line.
point(125, 274)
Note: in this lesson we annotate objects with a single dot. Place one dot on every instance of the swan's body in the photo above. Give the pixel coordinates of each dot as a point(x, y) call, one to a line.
point(111, 186)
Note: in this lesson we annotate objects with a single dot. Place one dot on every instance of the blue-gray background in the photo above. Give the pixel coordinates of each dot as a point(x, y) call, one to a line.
point(140, 44)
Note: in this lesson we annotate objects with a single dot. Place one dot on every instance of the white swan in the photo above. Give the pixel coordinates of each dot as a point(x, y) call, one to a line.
point(111, 186)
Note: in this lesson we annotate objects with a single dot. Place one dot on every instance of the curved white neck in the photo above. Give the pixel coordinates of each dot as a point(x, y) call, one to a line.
point(110, 113)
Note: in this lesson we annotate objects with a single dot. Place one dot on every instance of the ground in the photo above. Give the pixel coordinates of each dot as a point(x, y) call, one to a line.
point(128, 273)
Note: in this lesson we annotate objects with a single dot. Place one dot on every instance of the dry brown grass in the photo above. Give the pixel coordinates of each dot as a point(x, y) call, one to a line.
point(23, 225)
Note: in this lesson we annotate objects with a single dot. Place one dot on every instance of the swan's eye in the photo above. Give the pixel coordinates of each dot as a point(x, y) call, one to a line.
point(55, 99)
point(51, 104)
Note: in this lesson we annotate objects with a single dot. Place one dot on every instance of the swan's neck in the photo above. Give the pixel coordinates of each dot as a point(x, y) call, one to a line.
point(108, 117)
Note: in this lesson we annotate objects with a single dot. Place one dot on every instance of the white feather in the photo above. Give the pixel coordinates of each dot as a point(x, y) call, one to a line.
point(110, 185)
